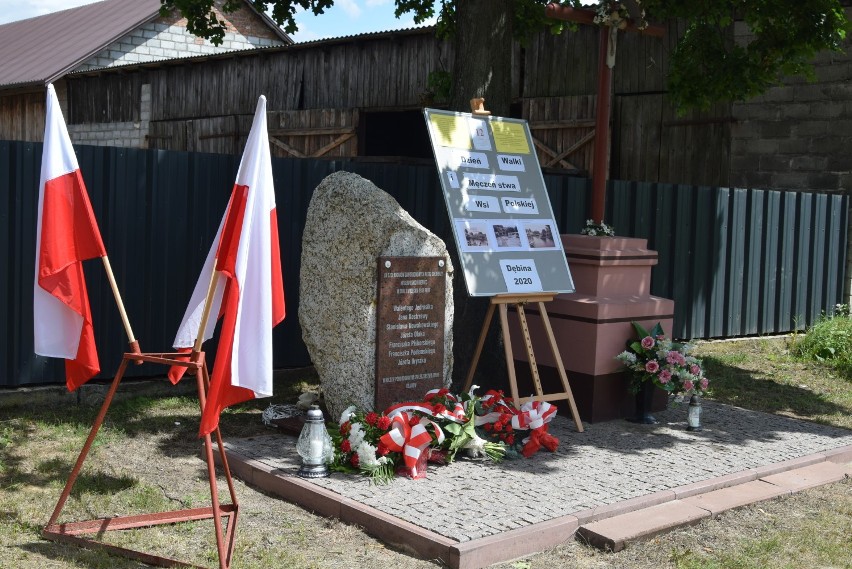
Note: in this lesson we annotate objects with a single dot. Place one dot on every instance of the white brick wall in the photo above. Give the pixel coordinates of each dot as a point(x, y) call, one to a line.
point(157, 41)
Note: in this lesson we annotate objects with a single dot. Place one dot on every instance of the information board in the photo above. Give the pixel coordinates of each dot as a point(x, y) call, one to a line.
point(498, 205)
point(410, 322)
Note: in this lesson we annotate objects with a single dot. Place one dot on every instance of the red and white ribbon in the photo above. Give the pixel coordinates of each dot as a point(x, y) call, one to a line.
point(410, 439)
point(533, 415)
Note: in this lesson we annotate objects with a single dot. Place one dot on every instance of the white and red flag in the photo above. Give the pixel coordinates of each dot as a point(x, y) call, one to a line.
point(66, 234)
point(249, 293)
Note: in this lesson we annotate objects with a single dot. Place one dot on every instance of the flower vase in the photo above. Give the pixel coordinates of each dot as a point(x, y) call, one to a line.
point(644, 404)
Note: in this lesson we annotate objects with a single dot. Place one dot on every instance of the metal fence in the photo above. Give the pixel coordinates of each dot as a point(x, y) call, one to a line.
point(737, 262)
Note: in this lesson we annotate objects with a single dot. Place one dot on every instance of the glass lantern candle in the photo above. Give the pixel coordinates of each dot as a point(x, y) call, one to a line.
point(693, 414)
point(314, 445)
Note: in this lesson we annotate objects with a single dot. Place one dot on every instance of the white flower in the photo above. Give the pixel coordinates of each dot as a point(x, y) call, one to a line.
point(356, 435)
point(347, 414)
point(627, 357)
point(475, 447)
point(367, 456)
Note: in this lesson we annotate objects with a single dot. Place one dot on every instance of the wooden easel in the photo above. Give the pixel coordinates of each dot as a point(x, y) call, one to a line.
point(519, 300)
point(73, 532)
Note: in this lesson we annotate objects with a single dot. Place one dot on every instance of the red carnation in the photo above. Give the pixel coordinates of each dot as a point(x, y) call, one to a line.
point(345, 446)
point(345, 427)
point(510, 439)
point(371, 418)
point(438, 409)
point(382, 449)
point(384, 422)
point(355, 460)
point(498, 426)
point(488, 426)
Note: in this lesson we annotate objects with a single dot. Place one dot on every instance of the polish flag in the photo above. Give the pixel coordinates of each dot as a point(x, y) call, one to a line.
point(249, 295)
point(66, 234)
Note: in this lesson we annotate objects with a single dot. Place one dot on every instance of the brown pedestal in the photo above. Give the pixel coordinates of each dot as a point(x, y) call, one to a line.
point(612, 276)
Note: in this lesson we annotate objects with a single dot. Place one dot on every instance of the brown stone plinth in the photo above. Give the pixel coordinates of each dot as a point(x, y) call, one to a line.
point(592, 325)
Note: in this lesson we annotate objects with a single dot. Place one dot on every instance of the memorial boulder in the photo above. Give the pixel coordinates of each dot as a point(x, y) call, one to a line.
point(350, 225)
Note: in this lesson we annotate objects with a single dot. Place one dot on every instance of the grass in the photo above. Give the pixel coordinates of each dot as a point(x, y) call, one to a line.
point(767, 375)
point(829, 341)
point(145, 459)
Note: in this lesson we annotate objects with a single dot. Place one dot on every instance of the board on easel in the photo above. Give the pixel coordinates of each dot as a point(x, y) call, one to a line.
point(503, 225)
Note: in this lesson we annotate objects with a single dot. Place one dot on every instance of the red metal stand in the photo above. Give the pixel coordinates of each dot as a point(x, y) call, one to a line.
point(73, 532)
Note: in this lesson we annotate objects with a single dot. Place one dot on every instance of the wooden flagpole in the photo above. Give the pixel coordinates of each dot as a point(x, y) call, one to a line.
point(208, 303)
point(134, 345)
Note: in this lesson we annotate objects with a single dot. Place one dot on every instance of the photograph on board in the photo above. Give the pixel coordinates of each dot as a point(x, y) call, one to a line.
point(540, 234)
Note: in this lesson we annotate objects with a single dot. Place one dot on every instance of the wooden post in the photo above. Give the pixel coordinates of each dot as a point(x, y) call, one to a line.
point(604, 100)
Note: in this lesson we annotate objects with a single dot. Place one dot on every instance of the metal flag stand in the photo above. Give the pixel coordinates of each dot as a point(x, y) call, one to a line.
point(519, 300)
point(224, 515)
point(73, 532)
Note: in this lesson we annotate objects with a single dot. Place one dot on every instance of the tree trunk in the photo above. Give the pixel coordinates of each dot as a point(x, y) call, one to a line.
point(482, 68)
point(483, 58)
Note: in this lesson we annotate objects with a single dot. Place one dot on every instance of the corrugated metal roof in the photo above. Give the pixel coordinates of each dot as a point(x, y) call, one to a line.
point(41, 49)
point(257, 50)
point(369, 35)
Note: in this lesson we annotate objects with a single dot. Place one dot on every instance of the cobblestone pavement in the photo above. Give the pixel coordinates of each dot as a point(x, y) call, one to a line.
point(608, 463)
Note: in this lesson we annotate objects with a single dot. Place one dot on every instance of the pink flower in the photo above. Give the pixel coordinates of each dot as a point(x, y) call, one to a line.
point(665, 376)
point(647, 342)
point(694, 369)
point(652, 366)
point(675, 358)
point(688, 385)
point(704, 383)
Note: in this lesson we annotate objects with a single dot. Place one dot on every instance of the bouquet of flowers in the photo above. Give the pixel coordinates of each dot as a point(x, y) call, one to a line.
point(358, 445)
point(597, 229)
point(666, 363)
point(408, 435)
point(503, 421)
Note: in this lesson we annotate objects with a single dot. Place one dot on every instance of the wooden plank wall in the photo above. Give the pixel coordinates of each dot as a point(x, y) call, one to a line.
point(567, 64)
point(112, 98)
point(560, 123)
point(314, 132)
point(22, 116)
point(388, 71)
point(652, 143)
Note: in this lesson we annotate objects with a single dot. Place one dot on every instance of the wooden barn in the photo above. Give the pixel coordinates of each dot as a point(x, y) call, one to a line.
point(111, 34)
point(361, 96)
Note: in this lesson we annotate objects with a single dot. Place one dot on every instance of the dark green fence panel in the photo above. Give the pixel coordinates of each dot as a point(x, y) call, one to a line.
point(736, 261)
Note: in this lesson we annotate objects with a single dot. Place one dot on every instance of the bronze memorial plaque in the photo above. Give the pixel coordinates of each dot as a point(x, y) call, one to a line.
point(410, 328)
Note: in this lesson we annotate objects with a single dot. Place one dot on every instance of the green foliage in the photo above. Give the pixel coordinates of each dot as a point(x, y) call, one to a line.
point(828, 341)
point(710, 65)
point(439, 85)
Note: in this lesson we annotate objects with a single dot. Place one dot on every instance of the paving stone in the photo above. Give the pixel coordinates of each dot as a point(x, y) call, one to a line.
point(807, 477)
point(609, 469)
point(614, 533)
point(719, 501)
